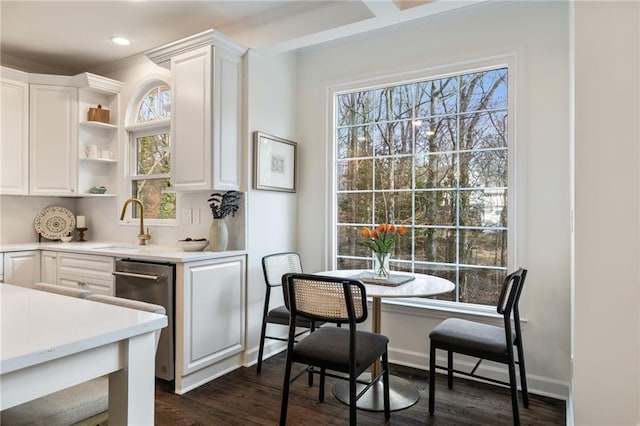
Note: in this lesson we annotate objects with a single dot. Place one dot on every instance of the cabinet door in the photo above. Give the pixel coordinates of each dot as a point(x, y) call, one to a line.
point(191, 155)
point(206, 119)
point(49, 267)
point(14, 137)
point(53, 133)
point(22, 267)
point(213, 311)
point(227, 119)
point(86, 271)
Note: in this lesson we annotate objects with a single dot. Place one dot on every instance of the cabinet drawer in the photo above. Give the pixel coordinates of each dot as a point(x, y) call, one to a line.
point(94, 285)
point(85, 265)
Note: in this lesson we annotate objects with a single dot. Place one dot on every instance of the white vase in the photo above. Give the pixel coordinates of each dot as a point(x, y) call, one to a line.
point(218, 235)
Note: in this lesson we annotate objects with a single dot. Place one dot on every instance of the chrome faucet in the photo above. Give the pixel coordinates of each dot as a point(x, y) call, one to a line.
point(141, 236)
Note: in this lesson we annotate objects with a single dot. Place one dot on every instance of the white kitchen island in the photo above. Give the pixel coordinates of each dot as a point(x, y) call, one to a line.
point(210, 295)
point(50, 342)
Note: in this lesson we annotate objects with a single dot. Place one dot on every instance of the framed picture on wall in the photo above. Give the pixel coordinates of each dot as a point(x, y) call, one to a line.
point(274, 163)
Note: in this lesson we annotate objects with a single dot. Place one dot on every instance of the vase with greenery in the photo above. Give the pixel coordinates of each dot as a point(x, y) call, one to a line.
point(222, 205)
point(381, 240)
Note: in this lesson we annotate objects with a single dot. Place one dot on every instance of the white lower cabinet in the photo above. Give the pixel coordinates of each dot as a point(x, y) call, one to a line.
point(22, 267)
point(94, 285)
point(85, 271)
point(210, 319)
point(49, 267)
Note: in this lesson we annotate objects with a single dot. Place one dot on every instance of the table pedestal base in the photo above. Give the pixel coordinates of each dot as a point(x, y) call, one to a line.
point(402, 394)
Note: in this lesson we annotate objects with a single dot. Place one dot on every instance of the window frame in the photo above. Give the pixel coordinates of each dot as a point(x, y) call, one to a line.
point(516, 181)
point(134, 130)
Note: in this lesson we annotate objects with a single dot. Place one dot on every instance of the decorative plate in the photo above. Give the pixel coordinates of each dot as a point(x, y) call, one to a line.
point(54, 222)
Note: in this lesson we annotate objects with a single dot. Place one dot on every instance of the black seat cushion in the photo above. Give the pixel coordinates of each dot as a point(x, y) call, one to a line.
point(475, 336)
point(280, 315)
point(329, 347)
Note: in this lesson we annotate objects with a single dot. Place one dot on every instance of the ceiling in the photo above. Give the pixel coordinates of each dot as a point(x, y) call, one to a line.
point(69, 37)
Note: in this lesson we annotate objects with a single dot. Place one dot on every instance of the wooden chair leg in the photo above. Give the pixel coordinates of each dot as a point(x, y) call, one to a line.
point(432, 377)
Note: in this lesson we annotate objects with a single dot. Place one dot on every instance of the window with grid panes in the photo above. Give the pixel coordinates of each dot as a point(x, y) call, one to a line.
point(150, 160)
point(431, 155)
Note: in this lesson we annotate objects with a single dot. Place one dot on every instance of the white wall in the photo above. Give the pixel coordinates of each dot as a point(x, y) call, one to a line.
point(17, 214)
point(271, 216)
point(538, 35)
point(607, 241)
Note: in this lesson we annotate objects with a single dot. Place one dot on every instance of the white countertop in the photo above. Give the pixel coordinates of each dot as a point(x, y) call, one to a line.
point(38, 326)
point(164, 253)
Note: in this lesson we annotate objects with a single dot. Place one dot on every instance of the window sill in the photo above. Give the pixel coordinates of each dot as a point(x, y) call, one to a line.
point(443, 310)
point(151, 223)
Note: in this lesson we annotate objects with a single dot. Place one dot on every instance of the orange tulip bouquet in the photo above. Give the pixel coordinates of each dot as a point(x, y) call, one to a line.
point(381, 240)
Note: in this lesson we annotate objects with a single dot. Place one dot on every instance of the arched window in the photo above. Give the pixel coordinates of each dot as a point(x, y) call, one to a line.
point(149, 156)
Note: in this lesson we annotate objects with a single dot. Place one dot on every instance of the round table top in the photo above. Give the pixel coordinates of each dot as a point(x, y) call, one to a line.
point(422, 286)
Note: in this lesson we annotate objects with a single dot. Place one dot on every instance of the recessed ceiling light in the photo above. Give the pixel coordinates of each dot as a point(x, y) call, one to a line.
point(121, 41)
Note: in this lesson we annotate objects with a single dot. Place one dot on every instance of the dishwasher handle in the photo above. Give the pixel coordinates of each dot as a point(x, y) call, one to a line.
point(142, 276)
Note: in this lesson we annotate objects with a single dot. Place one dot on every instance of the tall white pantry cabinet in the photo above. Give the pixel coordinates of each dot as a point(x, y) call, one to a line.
point(45, 132)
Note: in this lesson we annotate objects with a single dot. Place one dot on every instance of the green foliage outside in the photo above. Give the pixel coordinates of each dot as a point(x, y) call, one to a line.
point(153, 163)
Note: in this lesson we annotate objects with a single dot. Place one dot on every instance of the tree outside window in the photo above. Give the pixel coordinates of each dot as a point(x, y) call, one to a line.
point(151, 156)
point(433, 156)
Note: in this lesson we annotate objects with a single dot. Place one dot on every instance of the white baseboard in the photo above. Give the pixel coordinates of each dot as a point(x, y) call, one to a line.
point(271, 348)
point(537, 385)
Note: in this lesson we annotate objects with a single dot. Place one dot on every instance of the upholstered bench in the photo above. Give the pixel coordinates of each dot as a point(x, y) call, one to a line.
point(63, 408)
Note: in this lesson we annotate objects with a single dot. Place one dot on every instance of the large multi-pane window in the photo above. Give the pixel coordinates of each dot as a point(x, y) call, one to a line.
point(150, 161)
point(431, 155)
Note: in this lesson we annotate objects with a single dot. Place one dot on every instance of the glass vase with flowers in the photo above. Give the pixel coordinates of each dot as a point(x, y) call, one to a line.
point(381, 240)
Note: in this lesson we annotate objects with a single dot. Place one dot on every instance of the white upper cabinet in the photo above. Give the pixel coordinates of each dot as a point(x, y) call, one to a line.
point(206, 111)
point(14, 136)
point(53, 124)
point(48, 146)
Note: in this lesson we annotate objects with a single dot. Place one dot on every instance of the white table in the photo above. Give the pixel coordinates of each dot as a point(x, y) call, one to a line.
point(50, 342)
point(401, 393)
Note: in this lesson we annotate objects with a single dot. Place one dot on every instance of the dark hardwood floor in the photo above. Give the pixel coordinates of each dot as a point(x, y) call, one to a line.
point(244, 397)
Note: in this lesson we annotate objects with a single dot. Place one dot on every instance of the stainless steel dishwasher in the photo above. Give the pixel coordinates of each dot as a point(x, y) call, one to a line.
point(153, 283)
